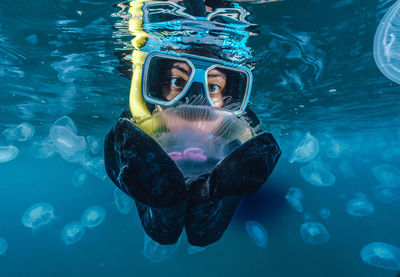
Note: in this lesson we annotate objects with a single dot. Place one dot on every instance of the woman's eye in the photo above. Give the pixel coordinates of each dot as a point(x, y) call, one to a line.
point(214, 89)
point(177, 82)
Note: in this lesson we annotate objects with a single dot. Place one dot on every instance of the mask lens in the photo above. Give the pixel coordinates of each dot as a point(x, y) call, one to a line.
point(228, 87)
point(167, 79)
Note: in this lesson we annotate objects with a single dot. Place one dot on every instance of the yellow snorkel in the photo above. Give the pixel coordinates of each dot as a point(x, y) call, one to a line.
point(137, 105)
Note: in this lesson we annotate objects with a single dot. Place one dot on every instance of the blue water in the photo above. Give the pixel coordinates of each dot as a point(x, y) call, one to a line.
point(315, 73)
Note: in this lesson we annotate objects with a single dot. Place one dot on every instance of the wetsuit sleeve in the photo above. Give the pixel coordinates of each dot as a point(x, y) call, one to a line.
point(215, 196)
point(246, 169)
point(140, 168)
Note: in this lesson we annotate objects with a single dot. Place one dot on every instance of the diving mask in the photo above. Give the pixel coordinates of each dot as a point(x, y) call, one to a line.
point(169, 77)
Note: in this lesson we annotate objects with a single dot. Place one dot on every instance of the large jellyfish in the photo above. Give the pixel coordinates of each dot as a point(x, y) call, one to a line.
point(66, 122)
point(317, 174)
point(197, 137)
point(386, 194)
point(66, 141)
point(38, 215)
point(306, 151)
point(21, 132)
point(381, 255)
point(8, 153)
point(387, 44)
point(387, 175)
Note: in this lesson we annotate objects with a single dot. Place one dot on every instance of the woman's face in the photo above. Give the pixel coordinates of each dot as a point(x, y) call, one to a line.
point(178, 74)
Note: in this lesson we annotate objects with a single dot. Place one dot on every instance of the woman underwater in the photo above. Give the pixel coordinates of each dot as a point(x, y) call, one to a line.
point(190, 95)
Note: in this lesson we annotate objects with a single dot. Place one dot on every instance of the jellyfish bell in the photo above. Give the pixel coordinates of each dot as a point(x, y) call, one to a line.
point(197, 137)
point(386, 44)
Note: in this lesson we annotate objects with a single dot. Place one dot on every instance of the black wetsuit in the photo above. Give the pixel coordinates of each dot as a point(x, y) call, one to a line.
point(166, 201)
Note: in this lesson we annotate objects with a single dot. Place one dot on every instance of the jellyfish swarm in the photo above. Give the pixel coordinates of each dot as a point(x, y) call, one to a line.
point(38, 215)
point(387, 44)
point(197, 137)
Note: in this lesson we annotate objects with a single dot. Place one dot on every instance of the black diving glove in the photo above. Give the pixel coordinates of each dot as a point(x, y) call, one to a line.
point(138, 165)
point(246, 169)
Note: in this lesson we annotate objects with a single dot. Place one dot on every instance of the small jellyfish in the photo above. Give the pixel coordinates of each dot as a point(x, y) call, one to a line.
point(123, 202)
point(66, 122)
point(381, 255)
point(21, 132)
point(316, 174)
point(76, 157)
point(66, 141)
point(257, 232)
point(359, 207)
point(93, 216)
point(387, 175)
point(294, 197)
point(314, 233)
point(43, 149)
point(3, 246)
point(346, 169)
point(79, 178)
point(95, 144)
point(72, 232)
point(391, 154)
point(38, 215)
point(32, 39)
point(192, 249)
point(308, 217)
point(334, 149)
point(306, 151)
point(360, 195)
point(96, 167)
point(156, 252)
point(325, 213)
point(386, 44)
point(386, 194)
point(8, 153)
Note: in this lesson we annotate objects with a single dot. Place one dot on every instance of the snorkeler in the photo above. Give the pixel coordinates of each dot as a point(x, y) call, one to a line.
point(183, 185)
